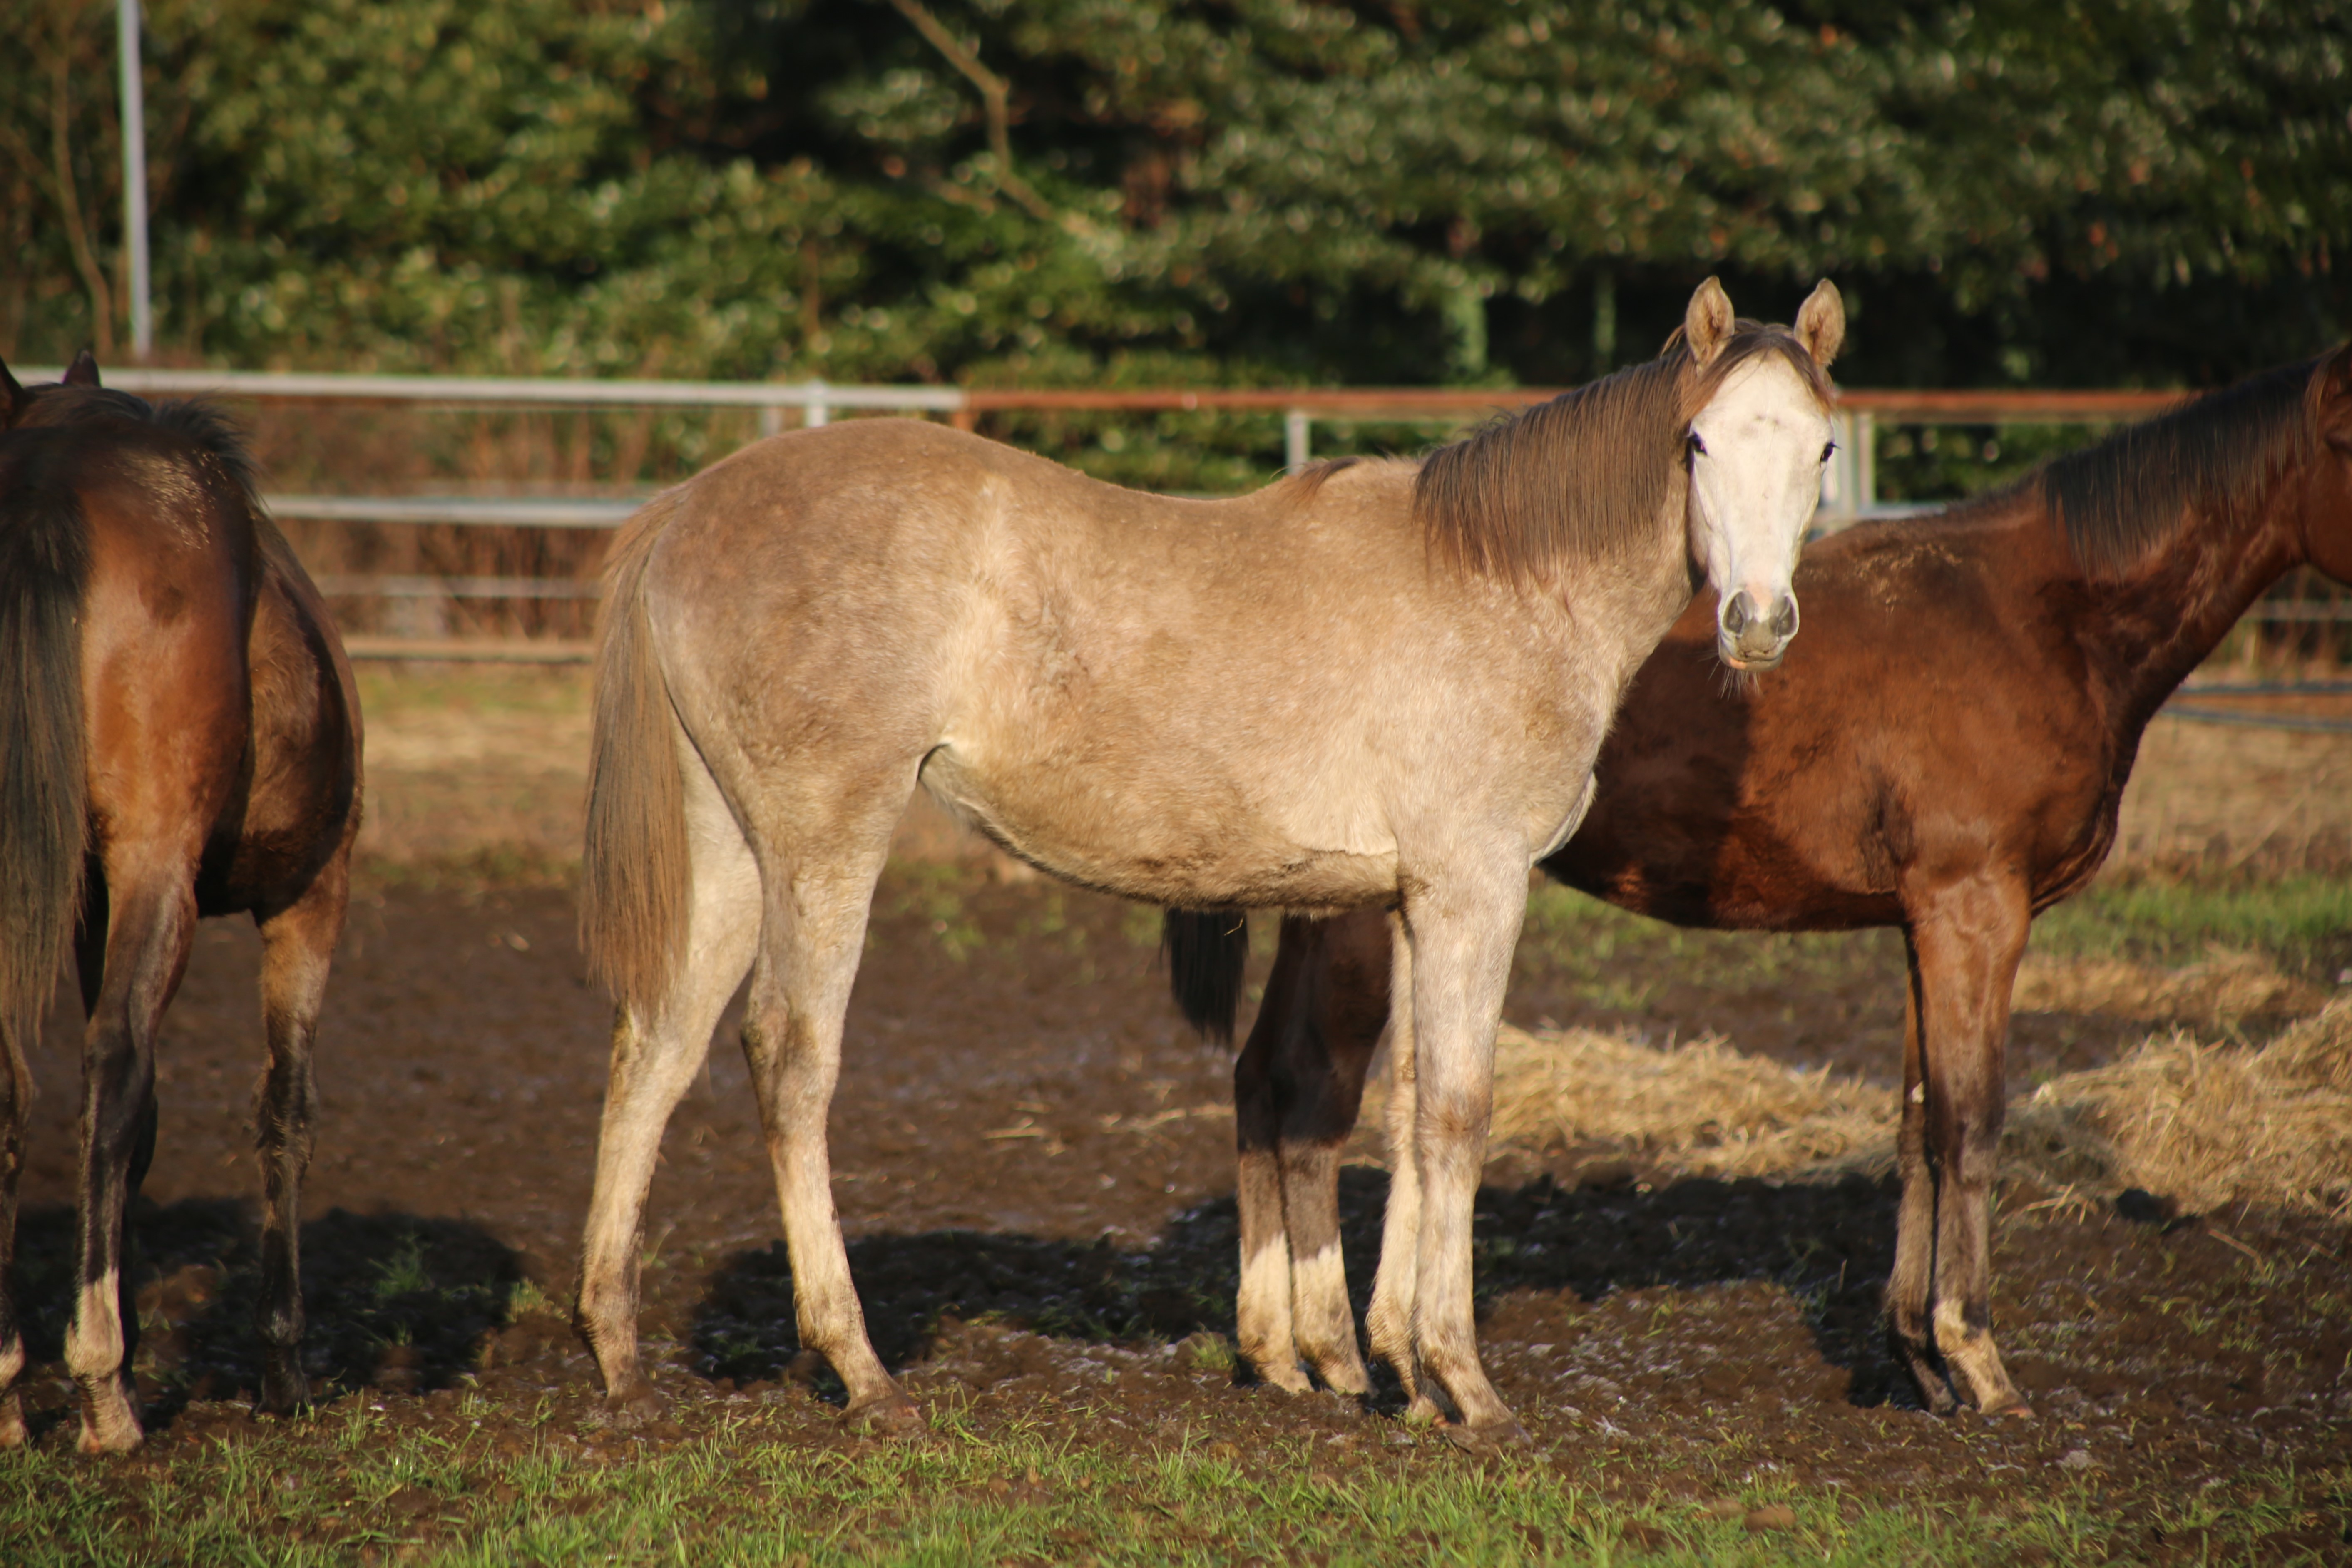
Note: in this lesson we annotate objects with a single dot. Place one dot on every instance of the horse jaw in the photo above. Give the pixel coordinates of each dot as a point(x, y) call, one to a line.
point(1757, 454)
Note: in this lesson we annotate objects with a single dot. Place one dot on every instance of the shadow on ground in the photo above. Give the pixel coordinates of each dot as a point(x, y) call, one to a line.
point(397, 1303)
point(1830, 1246)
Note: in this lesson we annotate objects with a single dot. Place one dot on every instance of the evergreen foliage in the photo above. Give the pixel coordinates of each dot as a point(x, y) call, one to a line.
point(1127, 192)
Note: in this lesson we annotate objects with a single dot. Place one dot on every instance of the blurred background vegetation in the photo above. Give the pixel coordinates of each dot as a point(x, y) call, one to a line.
point(1155, 192)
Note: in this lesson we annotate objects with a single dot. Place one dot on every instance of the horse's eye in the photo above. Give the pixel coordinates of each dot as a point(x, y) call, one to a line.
point(1827, 450)
point(1698, 447)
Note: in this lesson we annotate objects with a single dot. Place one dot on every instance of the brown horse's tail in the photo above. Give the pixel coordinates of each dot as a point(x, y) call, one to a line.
point(1206, 950)
point(44, 782)
point(633, 871)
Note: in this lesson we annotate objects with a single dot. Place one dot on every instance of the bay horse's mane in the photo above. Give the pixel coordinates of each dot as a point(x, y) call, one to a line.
point(2121, 498)
point(1587, 475)
point(206, 424)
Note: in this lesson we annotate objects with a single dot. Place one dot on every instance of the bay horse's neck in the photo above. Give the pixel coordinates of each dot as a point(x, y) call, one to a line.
point(2152, 626)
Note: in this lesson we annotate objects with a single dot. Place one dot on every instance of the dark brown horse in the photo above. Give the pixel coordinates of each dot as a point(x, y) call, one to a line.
point(1873, 780)
point(179, 737)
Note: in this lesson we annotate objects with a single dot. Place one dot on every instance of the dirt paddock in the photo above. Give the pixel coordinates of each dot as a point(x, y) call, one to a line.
point(1033, 1162)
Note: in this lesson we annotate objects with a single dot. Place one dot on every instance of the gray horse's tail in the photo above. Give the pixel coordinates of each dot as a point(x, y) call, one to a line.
point(44, 777)
point(1206, 950)
point(634, 869)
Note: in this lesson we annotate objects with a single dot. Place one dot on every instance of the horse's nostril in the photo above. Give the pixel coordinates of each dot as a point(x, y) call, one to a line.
point(1735, 614)
point(1784, 620)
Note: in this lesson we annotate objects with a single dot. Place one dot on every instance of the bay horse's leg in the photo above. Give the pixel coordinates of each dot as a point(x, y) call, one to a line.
point(1262, 1306)
point(16, 1097)
point(298, 944)
point(1388, 1322)
point(151, 926)
point(1324, 1058)
point(1969, 938)
point(655, 1061)
point(1463, 930)
point(812, 936)
point(1908, 1330)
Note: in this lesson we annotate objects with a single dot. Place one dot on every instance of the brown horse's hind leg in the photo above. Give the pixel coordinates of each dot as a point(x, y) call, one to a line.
point(1262, 1306)
point(811, 940)
point(15, 1095)
point(654, 1062)
point(1967, 939)
point(1322, 1077)
point(298, 945)
point(151, 922)
point(1908, 1332)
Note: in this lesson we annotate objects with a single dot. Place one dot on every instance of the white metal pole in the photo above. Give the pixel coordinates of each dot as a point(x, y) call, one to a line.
point(135, 176)
point(1296, 448)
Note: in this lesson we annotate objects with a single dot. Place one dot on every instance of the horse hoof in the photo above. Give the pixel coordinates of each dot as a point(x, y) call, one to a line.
point(1346, 1378)
point(117, 1436)
point(283, 1394)
point(1288, 1379)
point(1493, 1437)
point(635, 1403)
point(892, 1415)
point(1424, 1412)
point(2009, 1406)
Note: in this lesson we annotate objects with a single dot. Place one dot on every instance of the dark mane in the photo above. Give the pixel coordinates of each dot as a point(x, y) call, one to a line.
point(1587, 475)
point(2120, 498)
point(203, 423)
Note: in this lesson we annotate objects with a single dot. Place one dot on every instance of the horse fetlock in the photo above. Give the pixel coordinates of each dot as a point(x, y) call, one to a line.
point(1968, 1348)
point(13, 1432)
point(109, 1416)
point(94, 1338)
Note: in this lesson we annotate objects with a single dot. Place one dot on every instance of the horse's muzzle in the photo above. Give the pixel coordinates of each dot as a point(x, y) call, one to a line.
point(1747, 638)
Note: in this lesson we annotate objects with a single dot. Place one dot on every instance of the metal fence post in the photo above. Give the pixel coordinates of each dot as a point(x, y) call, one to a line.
point(815, 412)
point(1297, 438)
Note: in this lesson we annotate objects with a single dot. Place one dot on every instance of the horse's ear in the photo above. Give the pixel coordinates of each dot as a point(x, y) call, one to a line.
point(1821, 322)
point(13, 399)
point(83, 372)
point(1706, 325)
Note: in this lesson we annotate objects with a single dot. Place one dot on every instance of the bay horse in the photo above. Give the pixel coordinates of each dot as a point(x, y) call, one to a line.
point(1873, 780)
point(179, 737)
point(1378, 682)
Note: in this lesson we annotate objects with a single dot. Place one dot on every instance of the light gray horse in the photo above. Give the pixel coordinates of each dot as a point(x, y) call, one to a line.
point(1371, 683)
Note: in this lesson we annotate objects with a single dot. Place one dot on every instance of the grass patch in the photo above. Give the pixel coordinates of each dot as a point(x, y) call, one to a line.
point(1609, 959)
point(343, 1487)
point(392, 688)
point(2303, 923)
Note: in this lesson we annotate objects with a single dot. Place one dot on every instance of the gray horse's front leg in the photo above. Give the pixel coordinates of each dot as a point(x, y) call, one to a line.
point(1462, 934)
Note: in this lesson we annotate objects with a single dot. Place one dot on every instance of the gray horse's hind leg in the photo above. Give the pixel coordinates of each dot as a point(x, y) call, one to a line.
point(654, 1062)
point(811, 940)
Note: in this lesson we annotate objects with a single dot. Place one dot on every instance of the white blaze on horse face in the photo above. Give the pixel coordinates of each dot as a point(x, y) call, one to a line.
point(1757, 452)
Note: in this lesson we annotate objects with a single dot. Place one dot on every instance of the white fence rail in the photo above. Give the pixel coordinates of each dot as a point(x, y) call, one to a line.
point(1849, 490)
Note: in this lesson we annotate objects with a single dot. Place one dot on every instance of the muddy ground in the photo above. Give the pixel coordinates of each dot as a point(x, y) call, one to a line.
point(1033, 1162)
